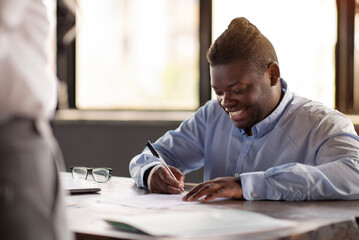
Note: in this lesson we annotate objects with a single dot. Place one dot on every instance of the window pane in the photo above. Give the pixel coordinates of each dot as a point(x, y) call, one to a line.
point(137, 54)
point(303, 34)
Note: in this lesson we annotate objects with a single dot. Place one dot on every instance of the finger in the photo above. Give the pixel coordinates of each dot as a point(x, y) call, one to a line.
point(193, 191)
point(205, 190)
point(215, 194)
point(158, 181)
point(178, 174)
point(172, 190)
point(155, 181)
point(164, 188)
point(234, 192)
point(168, 179)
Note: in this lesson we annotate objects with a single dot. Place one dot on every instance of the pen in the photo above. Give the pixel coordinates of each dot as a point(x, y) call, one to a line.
point(155, 153)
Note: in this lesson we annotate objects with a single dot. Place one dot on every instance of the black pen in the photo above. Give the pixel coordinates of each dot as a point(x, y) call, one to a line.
point(155, 153)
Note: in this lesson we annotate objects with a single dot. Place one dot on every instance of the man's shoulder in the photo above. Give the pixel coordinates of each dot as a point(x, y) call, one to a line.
point(302, 106)
point(311, 113)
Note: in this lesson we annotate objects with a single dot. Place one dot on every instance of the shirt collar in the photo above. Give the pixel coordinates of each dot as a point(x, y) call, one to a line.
point(268, 123)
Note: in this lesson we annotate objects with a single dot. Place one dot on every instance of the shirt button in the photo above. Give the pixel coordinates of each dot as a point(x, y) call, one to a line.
point(236, 175)
point(254, 195)
point(248, 142)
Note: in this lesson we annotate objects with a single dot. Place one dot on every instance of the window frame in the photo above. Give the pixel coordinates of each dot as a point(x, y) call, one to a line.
point(344, 58)
point(66, 55)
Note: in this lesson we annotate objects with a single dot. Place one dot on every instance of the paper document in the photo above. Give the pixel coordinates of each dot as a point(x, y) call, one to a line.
point(152, 200)
point(195, 223)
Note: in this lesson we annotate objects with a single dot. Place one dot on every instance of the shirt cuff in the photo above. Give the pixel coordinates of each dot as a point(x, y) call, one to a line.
point(253, 185)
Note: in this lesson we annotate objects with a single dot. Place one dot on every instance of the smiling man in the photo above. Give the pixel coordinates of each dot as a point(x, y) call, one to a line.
point(258, 140)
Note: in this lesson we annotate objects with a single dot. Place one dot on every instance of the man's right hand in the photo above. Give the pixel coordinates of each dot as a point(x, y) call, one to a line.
point(160, 180)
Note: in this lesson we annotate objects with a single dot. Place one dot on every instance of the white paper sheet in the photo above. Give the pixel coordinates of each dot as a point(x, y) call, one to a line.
point(152, 200)
point(204, 223)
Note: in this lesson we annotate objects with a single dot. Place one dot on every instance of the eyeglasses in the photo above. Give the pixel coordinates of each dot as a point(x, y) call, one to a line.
point(99, 175)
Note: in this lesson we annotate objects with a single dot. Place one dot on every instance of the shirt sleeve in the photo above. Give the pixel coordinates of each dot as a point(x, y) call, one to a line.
point(336, 175)
point(181, 148)
point(12, 13)
point(140, 164)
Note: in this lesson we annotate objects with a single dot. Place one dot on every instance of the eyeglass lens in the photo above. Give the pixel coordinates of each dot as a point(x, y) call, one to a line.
point(100, 174)
point(79, 173)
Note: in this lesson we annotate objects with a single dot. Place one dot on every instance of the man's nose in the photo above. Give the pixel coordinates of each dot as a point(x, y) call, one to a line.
point(227, 100)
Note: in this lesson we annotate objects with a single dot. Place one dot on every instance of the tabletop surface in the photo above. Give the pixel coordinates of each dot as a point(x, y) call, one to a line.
point(315, 220)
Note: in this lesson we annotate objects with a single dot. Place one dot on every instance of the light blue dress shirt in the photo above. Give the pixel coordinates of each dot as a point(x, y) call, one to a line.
point(302, 151)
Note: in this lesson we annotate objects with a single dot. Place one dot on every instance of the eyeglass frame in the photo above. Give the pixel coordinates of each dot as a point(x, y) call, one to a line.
point(90, 170)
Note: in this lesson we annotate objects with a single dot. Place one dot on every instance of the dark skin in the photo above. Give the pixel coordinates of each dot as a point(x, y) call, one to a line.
point(247, 97)
point(160, 181)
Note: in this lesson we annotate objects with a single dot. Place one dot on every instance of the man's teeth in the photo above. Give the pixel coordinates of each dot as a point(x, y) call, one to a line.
point(236, 113)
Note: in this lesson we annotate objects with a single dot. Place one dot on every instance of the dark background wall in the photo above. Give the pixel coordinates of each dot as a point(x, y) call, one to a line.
point(109, 143)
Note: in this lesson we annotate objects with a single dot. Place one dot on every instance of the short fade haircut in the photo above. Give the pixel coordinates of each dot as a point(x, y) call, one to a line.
point(242, 41)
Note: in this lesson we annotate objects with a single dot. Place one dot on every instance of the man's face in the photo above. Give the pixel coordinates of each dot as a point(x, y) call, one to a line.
point(246, 96)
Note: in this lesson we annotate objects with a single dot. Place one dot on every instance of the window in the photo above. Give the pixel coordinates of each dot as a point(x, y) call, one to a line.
point(135, 54)
point(124, 62)
point(303, 34)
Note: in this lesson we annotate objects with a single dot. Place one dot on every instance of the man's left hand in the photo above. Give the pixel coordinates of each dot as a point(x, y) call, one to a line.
point(229, 187)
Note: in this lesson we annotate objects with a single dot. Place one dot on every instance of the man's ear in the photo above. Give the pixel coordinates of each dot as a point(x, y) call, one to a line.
point(274, 73)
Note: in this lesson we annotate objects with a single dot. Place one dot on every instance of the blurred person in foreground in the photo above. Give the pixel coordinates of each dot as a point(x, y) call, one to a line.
point(258, 140)
point(31, 199)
